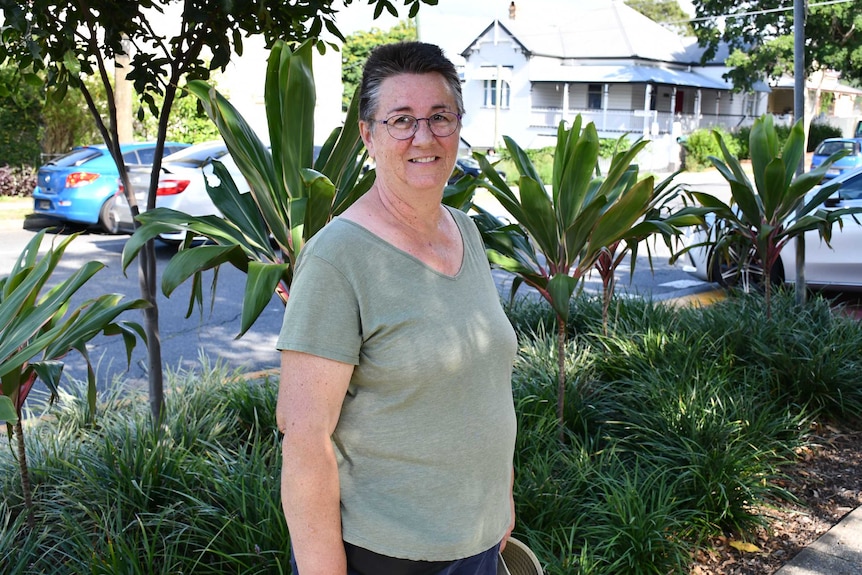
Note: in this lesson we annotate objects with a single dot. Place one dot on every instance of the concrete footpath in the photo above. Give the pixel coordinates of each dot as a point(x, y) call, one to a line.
point(837, 552)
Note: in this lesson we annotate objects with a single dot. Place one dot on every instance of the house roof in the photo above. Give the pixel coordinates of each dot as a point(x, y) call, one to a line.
point(600, 29)
point(611, 74)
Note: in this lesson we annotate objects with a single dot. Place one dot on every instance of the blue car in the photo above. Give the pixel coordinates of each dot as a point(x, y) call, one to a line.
point(79, 187)
point(829, 146)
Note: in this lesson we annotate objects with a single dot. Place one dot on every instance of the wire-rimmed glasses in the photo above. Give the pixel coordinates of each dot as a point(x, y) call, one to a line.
point(404, 126)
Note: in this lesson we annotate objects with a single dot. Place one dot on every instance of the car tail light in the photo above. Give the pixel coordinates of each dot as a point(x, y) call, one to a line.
point(78, 179)
point(171, 187)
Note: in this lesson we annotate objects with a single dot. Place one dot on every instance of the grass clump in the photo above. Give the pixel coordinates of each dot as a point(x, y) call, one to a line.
point(678, 425)
point(199, 494)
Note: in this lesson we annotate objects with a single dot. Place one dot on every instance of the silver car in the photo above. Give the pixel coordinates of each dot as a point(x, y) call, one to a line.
point(181, 184)
point(837, 266)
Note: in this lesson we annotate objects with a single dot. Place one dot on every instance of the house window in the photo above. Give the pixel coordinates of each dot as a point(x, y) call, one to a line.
point(491, 93)
point(594, 97)
point(750, 102)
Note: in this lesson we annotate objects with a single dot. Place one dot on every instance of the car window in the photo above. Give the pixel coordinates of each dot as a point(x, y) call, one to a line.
point(173, 149)
point(829, 148)
point(146, 155)
point(851, 189)
point(197, 156)
point(76, 157)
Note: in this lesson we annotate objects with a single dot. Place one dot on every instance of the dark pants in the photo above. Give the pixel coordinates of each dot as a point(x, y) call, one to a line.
point(363, 562)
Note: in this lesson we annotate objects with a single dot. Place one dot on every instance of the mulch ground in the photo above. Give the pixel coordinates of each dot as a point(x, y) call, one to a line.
point(827, 481)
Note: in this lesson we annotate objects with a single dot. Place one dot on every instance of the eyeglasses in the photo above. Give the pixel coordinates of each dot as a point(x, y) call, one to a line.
point(403, 126)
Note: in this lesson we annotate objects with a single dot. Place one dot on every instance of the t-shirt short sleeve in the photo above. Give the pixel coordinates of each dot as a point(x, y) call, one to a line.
point(322, 315)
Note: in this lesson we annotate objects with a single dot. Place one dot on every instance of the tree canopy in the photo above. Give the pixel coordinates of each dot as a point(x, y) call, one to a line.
point(668, 13)
point(759, 35)
point(358, 46)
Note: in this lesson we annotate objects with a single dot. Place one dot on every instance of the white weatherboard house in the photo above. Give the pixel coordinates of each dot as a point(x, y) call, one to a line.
point(603, 60)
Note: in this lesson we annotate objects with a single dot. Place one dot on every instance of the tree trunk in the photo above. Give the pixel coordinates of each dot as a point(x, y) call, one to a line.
point(155, 377)
point(25, 475)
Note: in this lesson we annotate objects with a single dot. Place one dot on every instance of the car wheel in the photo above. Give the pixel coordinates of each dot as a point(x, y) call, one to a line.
point(728, 270)
point(106, 217)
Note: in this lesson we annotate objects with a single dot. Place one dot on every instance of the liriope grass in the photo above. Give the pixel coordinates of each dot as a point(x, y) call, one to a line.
point(678, 423)
point(115, 494)
point(701, 408)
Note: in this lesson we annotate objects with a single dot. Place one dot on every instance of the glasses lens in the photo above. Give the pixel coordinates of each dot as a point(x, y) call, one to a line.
point(401, 127)
point(443, 124)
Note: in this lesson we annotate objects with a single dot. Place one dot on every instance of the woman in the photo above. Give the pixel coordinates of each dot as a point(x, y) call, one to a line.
point(395, 398)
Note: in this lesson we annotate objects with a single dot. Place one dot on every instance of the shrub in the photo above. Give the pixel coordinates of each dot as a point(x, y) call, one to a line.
point(818, 132)
point(701, 144)
point(17, 181)
point(543, 158)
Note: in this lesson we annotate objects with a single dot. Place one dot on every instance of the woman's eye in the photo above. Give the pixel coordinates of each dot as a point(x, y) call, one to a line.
point(402, 121)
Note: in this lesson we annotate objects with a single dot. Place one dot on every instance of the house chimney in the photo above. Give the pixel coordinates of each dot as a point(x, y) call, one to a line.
point(512, 10)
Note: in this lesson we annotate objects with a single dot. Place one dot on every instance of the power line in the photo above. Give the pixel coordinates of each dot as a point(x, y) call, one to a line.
point(769, 11)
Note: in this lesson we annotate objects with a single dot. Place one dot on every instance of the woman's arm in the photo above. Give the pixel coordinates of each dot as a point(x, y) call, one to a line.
point(310, 396)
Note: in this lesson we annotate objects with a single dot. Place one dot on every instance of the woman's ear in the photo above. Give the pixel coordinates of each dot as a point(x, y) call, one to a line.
point(366, 133)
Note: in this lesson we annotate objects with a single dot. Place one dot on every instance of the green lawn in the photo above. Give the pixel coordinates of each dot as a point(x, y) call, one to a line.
point(15, 208)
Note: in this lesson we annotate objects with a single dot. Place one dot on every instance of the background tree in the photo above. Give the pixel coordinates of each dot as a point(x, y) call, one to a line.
point(358, 46)
point(668, 13)
point(760, 37)
point(72, 40)
point(68, 123)
point(20, 105)
point(188, 123)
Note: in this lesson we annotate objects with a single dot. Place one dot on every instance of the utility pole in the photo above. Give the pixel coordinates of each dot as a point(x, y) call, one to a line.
point(799, 114)
point(123, 93)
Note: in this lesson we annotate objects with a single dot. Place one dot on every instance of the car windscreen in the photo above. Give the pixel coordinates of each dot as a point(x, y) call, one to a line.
point(829, 148)
point(195, 156)
point(76, 157)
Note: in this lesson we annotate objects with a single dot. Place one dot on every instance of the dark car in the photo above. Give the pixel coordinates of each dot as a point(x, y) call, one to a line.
point(467, 166)
point(80, 186)
point(829, 146)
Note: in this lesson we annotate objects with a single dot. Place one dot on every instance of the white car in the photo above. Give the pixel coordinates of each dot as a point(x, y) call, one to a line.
point(181, 184)
point(837, 266)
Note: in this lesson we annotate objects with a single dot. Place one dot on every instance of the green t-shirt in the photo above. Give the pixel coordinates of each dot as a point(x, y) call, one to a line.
point(426, 434)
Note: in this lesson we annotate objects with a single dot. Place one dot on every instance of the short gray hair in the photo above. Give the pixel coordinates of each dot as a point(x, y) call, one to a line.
point(390, 60)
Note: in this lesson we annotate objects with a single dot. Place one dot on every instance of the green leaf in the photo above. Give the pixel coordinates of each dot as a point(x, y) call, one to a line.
point(774, 190)
point(7, 410)
point(259, 289)
point(537, 215)
point(188, 262)
point(560, 290)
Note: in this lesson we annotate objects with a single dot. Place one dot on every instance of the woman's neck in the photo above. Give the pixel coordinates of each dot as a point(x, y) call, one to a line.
point(417, 214)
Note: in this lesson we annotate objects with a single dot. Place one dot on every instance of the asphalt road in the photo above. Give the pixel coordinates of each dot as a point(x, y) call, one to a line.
point(212, 333)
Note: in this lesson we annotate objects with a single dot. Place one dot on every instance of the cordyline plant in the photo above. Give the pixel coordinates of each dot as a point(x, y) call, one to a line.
point(36, 331)
point(291, 197)
point(559, 237)
point(765, 215)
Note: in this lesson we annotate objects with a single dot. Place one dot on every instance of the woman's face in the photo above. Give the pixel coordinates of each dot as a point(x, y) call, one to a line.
point(424, 161)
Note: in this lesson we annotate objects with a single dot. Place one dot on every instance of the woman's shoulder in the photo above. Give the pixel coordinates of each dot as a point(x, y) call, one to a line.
point(336, 237)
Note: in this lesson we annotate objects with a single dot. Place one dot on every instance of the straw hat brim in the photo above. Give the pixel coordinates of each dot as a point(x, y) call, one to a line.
point(518, 559)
